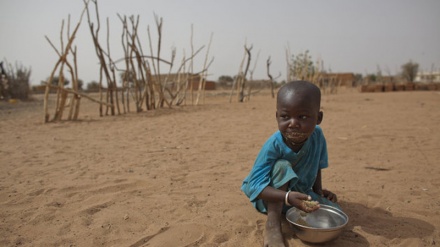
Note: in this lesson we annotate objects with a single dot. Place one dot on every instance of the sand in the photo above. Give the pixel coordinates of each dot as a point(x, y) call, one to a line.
point(172, 177)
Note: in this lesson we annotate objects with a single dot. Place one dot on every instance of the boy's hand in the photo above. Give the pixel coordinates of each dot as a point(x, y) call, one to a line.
point(329, 195)
point(301, 201)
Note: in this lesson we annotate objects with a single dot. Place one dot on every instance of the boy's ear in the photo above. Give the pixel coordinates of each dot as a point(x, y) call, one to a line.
point(320, 117)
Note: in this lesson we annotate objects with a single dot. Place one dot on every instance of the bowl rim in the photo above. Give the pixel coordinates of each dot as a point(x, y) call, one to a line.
point(317, 228)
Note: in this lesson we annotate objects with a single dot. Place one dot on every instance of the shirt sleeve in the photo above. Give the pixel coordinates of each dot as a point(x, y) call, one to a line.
point(259, 176)
point(323, 159)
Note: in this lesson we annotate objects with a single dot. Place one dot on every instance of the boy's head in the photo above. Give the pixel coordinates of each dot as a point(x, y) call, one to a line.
point(298, 111)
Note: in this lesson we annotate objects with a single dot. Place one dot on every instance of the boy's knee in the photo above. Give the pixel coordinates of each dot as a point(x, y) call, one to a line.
point(280, 170)
point(281, 166)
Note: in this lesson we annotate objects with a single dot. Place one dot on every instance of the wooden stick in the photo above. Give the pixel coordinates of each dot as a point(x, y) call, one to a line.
point(237, 77)
point(61, 105)
point(268, 62)
point(202, 80)
point(60, 60)
point(241, 93)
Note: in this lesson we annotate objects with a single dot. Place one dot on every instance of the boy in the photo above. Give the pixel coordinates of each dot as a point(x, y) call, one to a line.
point(287, 171)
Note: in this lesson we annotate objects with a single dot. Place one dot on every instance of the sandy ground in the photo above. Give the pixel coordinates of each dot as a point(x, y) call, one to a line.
point(172, 177)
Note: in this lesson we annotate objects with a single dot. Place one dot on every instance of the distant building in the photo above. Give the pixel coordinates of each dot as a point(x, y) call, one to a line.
point(193, 80)
point(428, 77)
point(338, 79)
point(259, 84)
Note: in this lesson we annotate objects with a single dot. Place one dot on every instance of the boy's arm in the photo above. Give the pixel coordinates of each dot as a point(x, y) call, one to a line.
point(317, 188)
point(296, 199)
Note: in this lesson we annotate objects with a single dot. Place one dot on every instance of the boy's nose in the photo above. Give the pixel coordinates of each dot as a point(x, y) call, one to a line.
point(293, 123)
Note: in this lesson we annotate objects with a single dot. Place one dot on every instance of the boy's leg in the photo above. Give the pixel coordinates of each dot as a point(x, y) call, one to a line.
point(281, 175)
point(273, 235)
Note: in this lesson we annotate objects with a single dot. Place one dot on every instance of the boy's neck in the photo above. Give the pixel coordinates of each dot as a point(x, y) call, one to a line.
point(294, 146)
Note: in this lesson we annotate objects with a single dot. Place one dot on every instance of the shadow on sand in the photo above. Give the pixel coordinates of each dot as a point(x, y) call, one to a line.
point(374, 221)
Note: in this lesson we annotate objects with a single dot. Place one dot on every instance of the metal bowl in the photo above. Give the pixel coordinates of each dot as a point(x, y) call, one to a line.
point(322, 225)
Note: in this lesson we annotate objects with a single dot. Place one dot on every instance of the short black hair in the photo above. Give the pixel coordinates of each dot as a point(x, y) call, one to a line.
point(305, 87)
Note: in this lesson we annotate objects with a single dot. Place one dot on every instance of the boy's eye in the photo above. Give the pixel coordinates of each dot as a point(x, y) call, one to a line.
point(303, 117)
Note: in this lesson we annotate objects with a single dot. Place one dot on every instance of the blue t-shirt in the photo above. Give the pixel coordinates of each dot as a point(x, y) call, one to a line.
point(306, 164)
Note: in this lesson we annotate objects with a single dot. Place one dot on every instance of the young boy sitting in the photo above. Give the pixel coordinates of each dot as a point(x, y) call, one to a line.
point(287, 170)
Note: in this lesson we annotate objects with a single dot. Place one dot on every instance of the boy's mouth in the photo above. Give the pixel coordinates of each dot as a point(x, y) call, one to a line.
point(295, 138)
point(295, 135)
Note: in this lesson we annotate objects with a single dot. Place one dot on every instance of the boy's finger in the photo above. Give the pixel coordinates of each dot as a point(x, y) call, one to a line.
point(303, 197)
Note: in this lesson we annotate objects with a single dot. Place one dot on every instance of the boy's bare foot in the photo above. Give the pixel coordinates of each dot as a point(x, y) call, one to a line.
point(273, 236)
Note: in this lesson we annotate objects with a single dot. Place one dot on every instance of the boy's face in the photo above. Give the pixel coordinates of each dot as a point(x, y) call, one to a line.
point(297, 115)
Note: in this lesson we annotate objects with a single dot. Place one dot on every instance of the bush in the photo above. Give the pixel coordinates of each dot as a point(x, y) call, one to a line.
point(93, 86)
point(15, 82)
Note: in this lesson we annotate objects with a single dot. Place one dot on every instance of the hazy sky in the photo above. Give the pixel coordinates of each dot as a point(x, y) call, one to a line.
point(349, 36)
